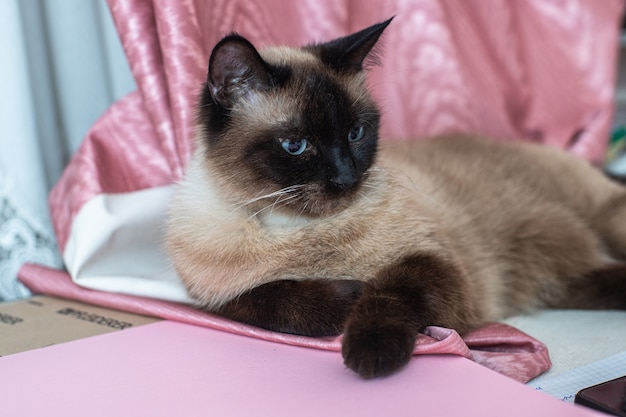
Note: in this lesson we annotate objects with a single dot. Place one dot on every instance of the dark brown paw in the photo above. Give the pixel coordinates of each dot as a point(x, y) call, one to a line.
point(378, 340)
point(377, 352)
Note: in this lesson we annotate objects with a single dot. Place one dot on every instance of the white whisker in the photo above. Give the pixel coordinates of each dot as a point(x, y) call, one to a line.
point(281, 197)
point(364, 196)
point(278, 193)
point(270, 206)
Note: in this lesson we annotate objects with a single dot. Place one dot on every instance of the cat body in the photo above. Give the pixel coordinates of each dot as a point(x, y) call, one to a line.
point(291, 218)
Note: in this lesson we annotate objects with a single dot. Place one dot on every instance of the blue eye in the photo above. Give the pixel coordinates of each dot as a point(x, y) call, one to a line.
point(294, 146)
point(356, 133)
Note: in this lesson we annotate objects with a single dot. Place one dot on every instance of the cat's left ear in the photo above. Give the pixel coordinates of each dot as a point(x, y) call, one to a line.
point(347, 54)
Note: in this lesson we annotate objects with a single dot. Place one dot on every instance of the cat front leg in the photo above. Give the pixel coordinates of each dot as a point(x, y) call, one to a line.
point(399, 302)
point(309, 307)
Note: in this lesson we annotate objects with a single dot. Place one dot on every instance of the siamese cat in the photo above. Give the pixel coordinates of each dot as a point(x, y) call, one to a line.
point(292, 219)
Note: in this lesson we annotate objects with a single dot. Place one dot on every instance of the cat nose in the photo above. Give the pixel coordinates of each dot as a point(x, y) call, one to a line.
point(344, 181)
point(343, 172)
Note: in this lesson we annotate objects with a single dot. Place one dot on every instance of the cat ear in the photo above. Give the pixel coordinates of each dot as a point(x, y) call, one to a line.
point(236, 70)
point(350, 52)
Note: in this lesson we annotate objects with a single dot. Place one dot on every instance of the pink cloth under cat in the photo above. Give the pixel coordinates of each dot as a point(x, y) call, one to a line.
point(497, 346)
point(539, 70)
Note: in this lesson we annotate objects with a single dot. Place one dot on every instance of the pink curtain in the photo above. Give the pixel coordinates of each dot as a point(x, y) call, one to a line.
point(538, 70)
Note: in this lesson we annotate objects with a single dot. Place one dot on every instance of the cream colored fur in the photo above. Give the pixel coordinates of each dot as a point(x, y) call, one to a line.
point(493, 209)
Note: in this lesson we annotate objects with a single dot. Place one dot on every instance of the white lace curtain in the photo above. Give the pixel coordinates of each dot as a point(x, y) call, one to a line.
point(61, 66)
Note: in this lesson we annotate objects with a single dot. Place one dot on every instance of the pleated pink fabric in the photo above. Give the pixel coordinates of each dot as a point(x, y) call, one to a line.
point(496, 346)
point(536, 70)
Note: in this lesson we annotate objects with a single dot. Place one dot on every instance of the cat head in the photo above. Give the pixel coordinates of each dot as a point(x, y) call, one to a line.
point(291, 129)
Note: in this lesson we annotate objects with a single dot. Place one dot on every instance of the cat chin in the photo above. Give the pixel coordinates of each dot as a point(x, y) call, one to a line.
point(324, 204)
point(274, 219)
point(303, 213)
point(331, 207)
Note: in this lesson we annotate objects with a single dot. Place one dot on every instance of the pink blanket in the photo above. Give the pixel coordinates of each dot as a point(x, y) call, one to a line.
point(539, 70)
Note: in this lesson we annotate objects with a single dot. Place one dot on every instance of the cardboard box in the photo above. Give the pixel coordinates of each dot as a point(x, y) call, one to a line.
point(43, 321)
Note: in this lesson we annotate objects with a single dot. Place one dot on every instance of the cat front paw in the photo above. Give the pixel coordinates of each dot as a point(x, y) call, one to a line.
point(376, 352)
point(378, 345)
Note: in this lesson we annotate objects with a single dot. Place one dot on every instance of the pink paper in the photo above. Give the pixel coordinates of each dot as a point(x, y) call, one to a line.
point(172, 369)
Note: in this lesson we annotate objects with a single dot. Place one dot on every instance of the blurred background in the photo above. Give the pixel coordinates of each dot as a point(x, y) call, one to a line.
point(47, 105)
point(616, 162)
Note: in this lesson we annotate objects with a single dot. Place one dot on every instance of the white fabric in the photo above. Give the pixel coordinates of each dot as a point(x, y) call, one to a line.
point(116, 245)
point(575, 337)
point(25, 230)
point(62, 67)
point(23, 239)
